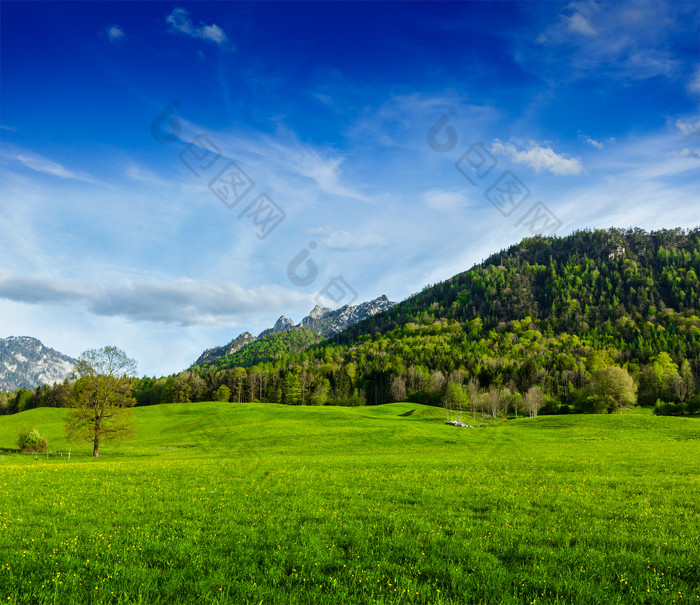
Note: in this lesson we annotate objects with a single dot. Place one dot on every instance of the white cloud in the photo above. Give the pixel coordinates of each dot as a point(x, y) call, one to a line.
point(688, 128)
point(42, 289)
point(324, 170)
point(179, 21)
point(42, 164)
point(285, 151)
point(594, 143)
point(580, 25)
point(185, 302)
point(143, 175)
point(539, 158)
point(114, 33)
point(609, 39)
point(445, 201)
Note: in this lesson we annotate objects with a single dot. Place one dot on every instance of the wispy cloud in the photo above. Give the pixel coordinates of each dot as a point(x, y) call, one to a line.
point(578, 24)
point(539, 158)
point(44, 290)
point(284, 152)
point(180, 21)
point(694, 82)
point(41, 164)
point(143, 175)
point(594, 143)
point(445, 201)
point(343, 240)
point(629, 40)
point(325, 170)
point(184, 302)
point(688, 128)
point(114, 33)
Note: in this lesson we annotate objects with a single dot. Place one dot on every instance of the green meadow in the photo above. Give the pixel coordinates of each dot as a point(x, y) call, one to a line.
point(262, 503)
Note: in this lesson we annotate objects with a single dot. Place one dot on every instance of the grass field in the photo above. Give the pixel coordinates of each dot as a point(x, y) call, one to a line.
point(261, 503)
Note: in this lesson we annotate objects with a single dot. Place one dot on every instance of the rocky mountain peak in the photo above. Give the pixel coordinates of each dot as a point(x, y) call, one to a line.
point(317, 312)
point(232, 347)
point(322, 320)
point(26, 362)
point(283, 323)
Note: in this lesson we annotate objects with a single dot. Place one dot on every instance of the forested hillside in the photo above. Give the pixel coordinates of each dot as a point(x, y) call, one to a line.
point(613, 285)
point(548, 314)
point(270, 347)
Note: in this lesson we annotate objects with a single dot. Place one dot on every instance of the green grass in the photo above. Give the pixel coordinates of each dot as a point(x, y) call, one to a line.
point(261, 503)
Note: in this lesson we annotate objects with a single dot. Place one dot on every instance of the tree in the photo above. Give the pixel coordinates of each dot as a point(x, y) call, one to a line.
point(615, 386)
point(223, 393)
point(182, 388)
point(493, 401)
point(239, 375)
point(398, 388)
point(473, 393)
point(103, 396)
point(688, 380)
point(320, 392)
point(292, 389)
point(533, 400)
point(454, 399)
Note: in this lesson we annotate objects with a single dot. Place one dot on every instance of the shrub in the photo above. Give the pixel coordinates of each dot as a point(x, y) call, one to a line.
point(694, 406)
point(423, 398)
point(665, 408)
point(550, 408)
point(31, 441)
point(591, 405)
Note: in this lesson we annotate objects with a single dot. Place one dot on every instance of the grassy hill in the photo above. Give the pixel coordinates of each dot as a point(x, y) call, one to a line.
point(214, 428)
point(251, 503)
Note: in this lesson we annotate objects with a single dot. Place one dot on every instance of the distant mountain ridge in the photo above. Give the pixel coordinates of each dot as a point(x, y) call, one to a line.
point(321, 320)
point(232, 347)
point(26, 362)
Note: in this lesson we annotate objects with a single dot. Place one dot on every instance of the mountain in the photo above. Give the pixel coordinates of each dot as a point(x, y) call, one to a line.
point(540, 323)
point(611, 281)
point(327, 322)
point(269, 347)
point(26, 363)
point(232, 347)
point(548, 312)
point(321, 320)
point(282, 324)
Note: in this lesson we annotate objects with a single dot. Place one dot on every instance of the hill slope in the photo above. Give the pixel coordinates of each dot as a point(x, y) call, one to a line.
point(258, 429)
point(605, 281)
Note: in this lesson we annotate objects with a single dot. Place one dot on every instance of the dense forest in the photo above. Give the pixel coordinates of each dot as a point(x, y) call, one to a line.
point(533, 327)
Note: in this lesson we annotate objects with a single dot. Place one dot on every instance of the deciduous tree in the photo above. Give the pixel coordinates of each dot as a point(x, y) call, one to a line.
point(533, 400)
point(103, 397)
point(615, 386)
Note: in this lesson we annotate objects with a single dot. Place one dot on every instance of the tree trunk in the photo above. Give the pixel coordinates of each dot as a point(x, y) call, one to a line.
point(96, 446)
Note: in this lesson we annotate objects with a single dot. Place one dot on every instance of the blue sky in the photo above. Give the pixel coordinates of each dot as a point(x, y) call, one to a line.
point(390, 144)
